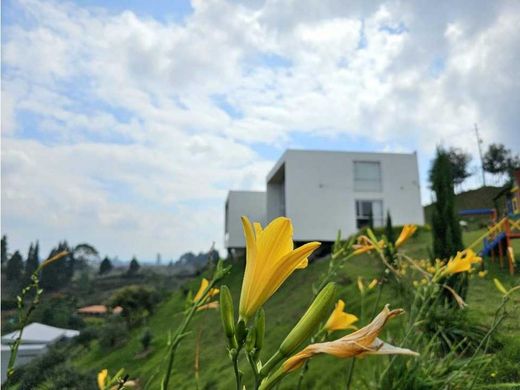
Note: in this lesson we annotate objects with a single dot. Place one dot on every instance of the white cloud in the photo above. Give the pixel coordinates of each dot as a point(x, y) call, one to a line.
point(127, 147)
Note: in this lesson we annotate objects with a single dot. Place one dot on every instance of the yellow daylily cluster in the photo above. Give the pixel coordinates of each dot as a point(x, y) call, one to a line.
point(365, 341)
point(339, 319)
point(270, 260)
point(462, 262)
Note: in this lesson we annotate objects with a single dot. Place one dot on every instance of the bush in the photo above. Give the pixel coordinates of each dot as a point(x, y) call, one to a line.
point(87, 335)
point(146, 339)
point(114, 333)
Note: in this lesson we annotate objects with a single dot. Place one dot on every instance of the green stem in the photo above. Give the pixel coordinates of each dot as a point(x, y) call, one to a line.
point(238, 376)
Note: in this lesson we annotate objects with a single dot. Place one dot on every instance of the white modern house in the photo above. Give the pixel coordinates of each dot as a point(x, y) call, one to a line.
point(36, 338)
point(238, 203)
point(326, 191)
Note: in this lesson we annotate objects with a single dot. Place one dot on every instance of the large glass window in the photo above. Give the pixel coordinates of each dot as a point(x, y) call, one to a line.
point(369, 209)
point(367, 176)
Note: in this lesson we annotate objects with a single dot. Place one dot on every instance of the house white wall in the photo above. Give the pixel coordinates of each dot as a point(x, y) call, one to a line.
point(320, 197)
point(238, 203)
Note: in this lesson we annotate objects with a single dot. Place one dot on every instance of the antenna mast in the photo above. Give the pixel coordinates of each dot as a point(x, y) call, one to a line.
point(479, 143)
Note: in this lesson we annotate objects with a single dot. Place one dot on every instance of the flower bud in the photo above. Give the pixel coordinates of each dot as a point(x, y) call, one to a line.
point(241, 332)
point(227, 313)
point(316, 312)
point(260, 329)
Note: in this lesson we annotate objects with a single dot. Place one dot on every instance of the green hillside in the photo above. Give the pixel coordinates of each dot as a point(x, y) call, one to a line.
point(479, 198)
point(282, 311)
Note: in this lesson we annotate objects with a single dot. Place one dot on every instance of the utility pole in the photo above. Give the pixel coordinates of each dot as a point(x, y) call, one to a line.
point(479, 143)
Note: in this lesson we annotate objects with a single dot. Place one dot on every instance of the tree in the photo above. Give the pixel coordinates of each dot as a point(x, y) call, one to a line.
point(447, 235)
point(58, 274)
point(459, 161)
point(4, 249)
point(133, 267)
point(105, 266)
point(496, 158)
point(14, 268)
point(389, 229)
point(32, 262)
point(500, 161)
point(459, 164)
point(137, 303)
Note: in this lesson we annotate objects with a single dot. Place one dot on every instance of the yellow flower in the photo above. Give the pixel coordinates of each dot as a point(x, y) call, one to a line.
point(406, 233)
point(270, 260)
point(500, 287)
point(364, 245)
point(372, 284)
point(339, 319)
point(102, 378)
point(364, 341)
point(203, 286)
point(461, 262)
point(482, 274)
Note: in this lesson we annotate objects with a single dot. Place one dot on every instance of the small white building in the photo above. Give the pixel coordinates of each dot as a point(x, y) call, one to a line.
point(36, 338)
point(326, 191)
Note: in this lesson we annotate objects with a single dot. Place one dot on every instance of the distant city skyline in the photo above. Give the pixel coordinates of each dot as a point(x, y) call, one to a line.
point(124, 124)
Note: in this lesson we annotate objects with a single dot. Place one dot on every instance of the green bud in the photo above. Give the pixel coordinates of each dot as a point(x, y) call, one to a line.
point(307, 325)
point(227, 313)
point(250, 342)
point(241, 332)
point(260, 329)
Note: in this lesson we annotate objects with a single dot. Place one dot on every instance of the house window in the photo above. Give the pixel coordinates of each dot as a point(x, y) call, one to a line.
point(366, 209)
point(367, 176)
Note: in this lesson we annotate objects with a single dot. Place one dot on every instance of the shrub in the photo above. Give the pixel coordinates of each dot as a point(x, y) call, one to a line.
point(114, 333)
point(146, 338)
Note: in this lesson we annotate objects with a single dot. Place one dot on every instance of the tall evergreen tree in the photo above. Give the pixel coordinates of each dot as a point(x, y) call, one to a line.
point(14, 267)
point(389, 229)
point(133, 267)
point(4, 249)
point(57, 274)
point(105, 266)
point(447, 235)
point(32, 262)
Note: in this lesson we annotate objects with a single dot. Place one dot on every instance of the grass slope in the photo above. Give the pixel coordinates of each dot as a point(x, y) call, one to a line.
point(282, 312)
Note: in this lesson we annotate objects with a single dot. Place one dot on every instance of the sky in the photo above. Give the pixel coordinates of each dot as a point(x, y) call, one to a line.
point(124, 124)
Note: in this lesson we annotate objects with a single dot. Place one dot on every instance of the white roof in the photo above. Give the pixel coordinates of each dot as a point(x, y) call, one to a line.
point(37, 333)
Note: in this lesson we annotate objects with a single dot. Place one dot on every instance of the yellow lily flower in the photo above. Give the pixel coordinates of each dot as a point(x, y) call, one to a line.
point(102, 378)
point(461, 262)
point(270, 260)
point(340, 320)
point(406, 233)
point(203, 286)
point(482, 274)
point(364, 245)
point(364, 341)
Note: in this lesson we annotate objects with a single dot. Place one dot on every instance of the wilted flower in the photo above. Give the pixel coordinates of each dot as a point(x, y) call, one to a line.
point(339, 319)
point(364, 244)
point(270, 260)
point(210, 305)
point(406, 233)
point(362, 342)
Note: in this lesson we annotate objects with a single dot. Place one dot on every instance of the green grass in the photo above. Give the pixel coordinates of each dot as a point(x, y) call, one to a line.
point(282, 312)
